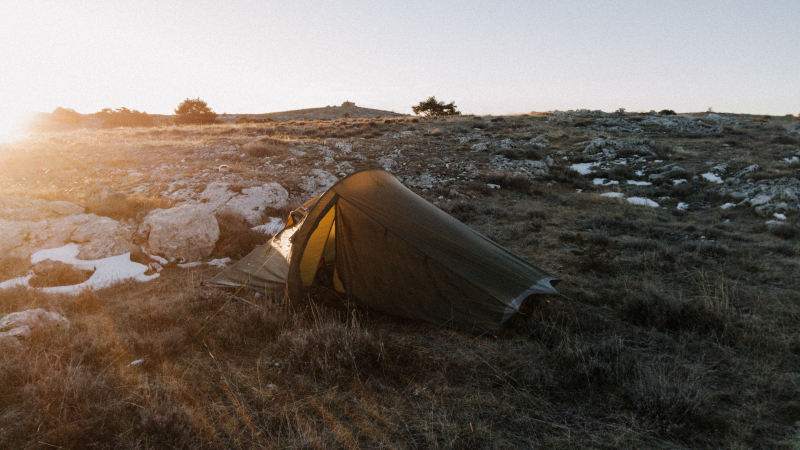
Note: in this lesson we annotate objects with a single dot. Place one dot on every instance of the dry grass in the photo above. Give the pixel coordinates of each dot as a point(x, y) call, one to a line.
point(672, 331)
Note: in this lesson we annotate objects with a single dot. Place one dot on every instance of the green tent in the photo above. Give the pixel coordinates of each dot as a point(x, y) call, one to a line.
point(372, 239)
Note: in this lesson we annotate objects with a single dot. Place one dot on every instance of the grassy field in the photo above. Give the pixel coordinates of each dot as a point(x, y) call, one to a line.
point(674, 328)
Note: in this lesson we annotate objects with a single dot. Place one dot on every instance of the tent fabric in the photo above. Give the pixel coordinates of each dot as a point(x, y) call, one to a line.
point(395, 252)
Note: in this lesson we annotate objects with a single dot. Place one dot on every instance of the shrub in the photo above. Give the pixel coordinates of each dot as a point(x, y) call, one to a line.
point(194, 111)
point(236, 239)
point(462, 211)
point(434, 108)
point(124, 117)
point(66, 115)
point(667, 112)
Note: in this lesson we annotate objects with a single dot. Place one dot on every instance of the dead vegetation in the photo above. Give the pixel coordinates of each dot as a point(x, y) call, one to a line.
point(675, 328)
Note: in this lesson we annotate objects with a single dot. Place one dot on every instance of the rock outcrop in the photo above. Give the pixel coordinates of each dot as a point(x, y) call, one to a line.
point(17, 328)
point(188, 232)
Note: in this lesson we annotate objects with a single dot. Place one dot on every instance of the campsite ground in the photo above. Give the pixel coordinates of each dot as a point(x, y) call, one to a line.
point(677, 326)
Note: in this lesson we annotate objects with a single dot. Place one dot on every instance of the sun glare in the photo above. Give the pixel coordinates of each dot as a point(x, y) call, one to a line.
point(11, 126)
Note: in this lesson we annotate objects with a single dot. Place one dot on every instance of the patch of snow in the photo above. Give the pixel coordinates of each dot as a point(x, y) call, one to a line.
point(639, 173)
point(602, 182)
point(791, 160)
point(639, 183)
point(613, 194)
point(14, 282)
point(642, 202)
point(677, 182)
point(221, 263)
point(493, 186)
point(779, 216)
point(271, 228)
point(711, 177)
point(584, 168)
point(728, 205)
point(682, 206)
point(107, 271)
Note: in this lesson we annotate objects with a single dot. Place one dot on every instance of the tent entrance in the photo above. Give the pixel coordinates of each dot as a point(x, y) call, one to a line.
point(318, 263)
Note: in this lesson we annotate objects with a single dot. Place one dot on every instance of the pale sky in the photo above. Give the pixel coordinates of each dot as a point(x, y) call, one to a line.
point(490, 57)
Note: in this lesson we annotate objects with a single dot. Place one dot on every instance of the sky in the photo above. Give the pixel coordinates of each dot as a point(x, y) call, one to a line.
point(489, 57)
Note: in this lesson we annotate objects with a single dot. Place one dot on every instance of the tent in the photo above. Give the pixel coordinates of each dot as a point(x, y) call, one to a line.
point(374, 240)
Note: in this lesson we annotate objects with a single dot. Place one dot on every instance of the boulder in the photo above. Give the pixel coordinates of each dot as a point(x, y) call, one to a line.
point(254, 202)
point(794, 127)
point(16, 328)
point(318, 182)
point(102, 237)
point(187, 232)
point(21, 208)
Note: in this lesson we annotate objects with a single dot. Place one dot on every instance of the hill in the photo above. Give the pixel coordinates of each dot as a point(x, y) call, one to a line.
point(677, 325)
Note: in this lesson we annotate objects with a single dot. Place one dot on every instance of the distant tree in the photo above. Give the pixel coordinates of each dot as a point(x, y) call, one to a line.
point(434, 108)
point(194, 111)
point(66, 115)
point(124, 117)
point(667, 112)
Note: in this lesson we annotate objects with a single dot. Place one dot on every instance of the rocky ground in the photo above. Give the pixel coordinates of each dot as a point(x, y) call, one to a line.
point(675, 235)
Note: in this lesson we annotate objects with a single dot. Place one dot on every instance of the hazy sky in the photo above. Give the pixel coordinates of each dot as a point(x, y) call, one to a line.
point(490, 57)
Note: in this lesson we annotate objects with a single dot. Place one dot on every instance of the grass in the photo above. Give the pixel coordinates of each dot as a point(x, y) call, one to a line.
point(671, 331)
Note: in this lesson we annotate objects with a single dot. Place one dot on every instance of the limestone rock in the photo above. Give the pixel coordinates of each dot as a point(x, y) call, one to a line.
point(254, 201)
point(318, 182)
point(21, 208)
point(16, 328)
point(102, 237)
point(187, 232)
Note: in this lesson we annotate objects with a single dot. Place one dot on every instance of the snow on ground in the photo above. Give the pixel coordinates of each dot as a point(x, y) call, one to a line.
point(584, 168)
point(273, 227)
point(728, 205)
point(677, 182)
point(711, 177)
point(642, 201)
point(613, 194)
point(779, 216)
point(602, 182)
point(221, 263)
point(107, 271)
point(639, 183)
point(683, 206)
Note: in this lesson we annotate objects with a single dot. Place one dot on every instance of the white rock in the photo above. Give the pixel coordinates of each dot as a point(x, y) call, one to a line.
point(642, 202)
point(761, 199)
point(479, 147)
point(216, 195)
point(318, 182)
point(21, 208)
point(711, 177)
point(255, 200)
point(102, 237)
point(187, 231)
point(16, 328)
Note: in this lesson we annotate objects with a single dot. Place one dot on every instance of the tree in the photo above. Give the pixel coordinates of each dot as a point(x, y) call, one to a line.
point(66, 115)
point(432, 107)
point(194, 111)
point(124, 117)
